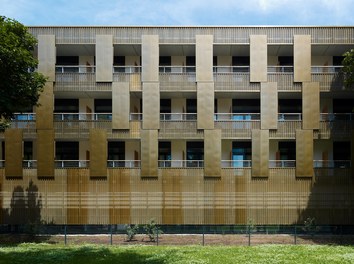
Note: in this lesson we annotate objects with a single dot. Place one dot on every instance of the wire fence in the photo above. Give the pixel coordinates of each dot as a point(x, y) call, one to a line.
point(238, 235)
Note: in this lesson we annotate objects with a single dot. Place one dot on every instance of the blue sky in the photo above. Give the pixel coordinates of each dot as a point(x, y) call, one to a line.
point(179, 12)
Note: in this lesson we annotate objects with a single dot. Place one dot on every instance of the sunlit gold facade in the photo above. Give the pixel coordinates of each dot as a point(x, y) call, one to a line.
point(186, 125)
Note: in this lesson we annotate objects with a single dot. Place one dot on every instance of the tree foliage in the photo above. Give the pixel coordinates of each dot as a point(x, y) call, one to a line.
point(20, 85)
point(348, 68)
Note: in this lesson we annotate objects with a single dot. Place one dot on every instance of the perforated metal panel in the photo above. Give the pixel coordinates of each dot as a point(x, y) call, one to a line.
point(120, 105)
point(258, 58)
point(302, 58)
point(104, 58)
point(13, 153)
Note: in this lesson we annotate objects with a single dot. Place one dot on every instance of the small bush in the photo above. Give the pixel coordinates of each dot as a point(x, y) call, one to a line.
point(131, 230)
point(152, 230)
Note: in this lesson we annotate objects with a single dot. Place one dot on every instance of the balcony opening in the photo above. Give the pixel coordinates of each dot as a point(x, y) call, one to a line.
point(195, 153)
point(66, 109)
point(119, 63)
point(241, 154)
point(67, 154)
point(165, 109)
point(103, 109)
point(246, 109)
point(343, 109)
point(286, 63)
point(341, 154)
point(116, 154)
point(165, 154)
point(165, 64)
point(191, 109)
point(66, 62)
point(290, 109)
point(287, 154)
point(240, 63)
point(190, 63)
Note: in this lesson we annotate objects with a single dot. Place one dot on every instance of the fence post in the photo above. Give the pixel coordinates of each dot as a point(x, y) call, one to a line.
point(295, 236)
point(249, 235)
point(157, 238)
point(111, 235)
point(203, 236)
point(65, 234)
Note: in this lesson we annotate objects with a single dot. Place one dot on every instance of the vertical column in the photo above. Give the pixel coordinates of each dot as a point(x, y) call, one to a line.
point(352, 153)
point(302, 58)
point(13, 153)
point(269, 105)
point(98, 153)
point(44, 112)
point(104, 58)
point(212, 158)
point(151, 106)
point(304, 153)
point(205, 83)
point(149, 153)
point(45, 153)
point(258, 58)
point(310, 105)
point(120, 105)
point(260, 153)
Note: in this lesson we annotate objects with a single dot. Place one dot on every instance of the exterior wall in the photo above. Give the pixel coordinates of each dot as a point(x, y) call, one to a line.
point(210, 193)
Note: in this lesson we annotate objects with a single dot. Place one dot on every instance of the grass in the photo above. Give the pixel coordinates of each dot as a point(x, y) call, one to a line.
point(87, 254)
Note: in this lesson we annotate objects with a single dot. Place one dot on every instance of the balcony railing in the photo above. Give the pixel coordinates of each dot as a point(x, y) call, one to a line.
point(2, 163)
point(332, 164)
point(82, 116)
point(336, 116)
point(178, 79)
point(231, 69)
point(24, 117)
point(236, 163)
point(72, 163)
point(29, 164)
point(282, 163)
point(289, 117)
point(181, 163)
point(281, 69)
point(177, 69)
point(126, 69)
point(123, 163)
point(326, 69)
point(178, 117)
point(74, 69)
point(237, 116)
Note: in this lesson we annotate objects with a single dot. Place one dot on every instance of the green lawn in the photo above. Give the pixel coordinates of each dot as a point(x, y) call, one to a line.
point(86, 254)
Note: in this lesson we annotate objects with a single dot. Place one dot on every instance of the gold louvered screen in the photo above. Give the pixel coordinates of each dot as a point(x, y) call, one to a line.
point(120, 105)
point(212, 153)
point(104, 58)
point(302, 58)
point(258, 58)
point(269, 105)
point(260, 153)
point(304, 153)
point(13, 153)
point(98, 153)
point(311, 105)
point(149, 153)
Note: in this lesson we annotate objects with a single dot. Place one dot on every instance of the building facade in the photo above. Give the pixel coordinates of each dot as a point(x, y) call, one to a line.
point(186, 125)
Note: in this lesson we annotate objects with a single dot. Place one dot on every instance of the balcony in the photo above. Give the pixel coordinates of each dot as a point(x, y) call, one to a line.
point(177, 78)
point(130, 74)
point(80, 78)
point(179, 125)
point(24, 121)
point(237, 125)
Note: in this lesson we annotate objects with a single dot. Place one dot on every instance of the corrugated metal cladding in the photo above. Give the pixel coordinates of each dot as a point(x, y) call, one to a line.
point(265, 189)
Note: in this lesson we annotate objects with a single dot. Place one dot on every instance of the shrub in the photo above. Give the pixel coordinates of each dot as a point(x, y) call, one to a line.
point(131, 230)
point(152, 230)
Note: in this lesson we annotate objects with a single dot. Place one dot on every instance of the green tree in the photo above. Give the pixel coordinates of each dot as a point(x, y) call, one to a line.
point(20, 85)
point(348, 68)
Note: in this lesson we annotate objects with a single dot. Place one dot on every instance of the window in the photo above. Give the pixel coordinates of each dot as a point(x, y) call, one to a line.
point(120, 62)
point(287, 107)
point(67, 106)
point(191, 109)
point(240, 63)
point(68, 61)
point(67, 150)
point(287, 150)
point(190, 63)
point(195, 154)
point(165, 154)
point(288, 62)
point(241, 151)
point(116, 153)
point(341, 154)
point(28, 150)
point(246, 108)
point(103, 106)
point(165, 109)
point(165, 61)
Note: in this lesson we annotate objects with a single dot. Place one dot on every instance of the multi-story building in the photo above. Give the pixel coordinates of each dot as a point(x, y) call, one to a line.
point(187, 125)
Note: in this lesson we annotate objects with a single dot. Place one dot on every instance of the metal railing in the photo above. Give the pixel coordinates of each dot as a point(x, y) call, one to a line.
point(237, 116)
point(336, 116)
point(177, 69)
point(2, 163)
point(326, 69)
point(289, 116)
point(282, 163)
point(135, 116)
point(82, 116)
point(236, 164)
point(72, 163)
point(230, 69)
point(280, 69)
point(24, 117)
point(332, 164)
point(178, 81)
point(178, 117)
point(29, 164)
point(123, 163)
point(181, 163)
point(126, 69)
point(74, 69)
